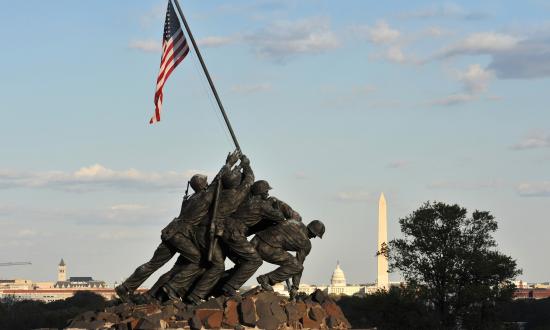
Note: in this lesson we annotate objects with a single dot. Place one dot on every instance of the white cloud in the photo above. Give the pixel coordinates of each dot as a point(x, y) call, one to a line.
point(528, 59)
point(149, 45)
point(400, 163)
point(454, 99)
point(390, 40)
point(96, 177)
point(538, 189)
point(363, 90)
point(395, 54)
point(122, 214)
point(120, 234)
point(355, 196)
point(536, 140)
point(435, 31)
point(480, 43)
point(216, 41)
point(127, 207)
point(336, 97)
point(284, 39)
point(380, 33)
point(464, 185)
point(251, 88)
point(475, 81)
point(512, 56)
point(25, 233)
point(446, 10)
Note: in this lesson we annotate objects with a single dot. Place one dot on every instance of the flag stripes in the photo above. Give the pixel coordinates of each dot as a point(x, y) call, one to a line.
point(174, 50)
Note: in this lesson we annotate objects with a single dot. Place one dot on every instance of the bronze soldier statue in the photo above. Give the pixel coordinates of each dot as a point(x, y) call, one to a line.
point(255, 208)
point(177, 236)
point(236, 187)
point(273, 245)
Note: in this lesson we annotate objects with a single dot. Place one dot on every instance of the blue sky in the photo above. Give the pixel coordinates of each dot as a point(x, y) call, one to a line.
point(334, 103)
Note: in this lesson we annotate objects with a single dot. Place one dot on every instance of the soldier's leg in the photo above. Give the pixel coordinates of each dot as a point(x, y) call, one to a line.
point(189, 270)
point(288, 264)
point(180, 263)
point(162, 254)
point(211, 276)
point(248, 260)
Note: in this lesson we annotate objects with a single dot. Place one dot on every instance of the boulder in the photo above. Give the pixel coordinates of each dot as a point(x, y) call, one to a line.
point(257, 308)
point(316, 313)
point(278, 312)
point(195, 323)
point(230, 314)
point(247, 312)
point(308, 323)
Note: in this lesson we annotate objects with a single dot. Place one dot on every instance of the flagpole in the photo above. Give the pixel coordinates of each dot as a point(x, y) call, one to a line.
point(218, 100)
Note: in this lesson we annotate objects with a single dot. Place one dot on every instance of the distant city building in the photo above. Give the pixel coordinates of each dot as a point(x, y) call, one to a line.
point(21, 289)
point(339, 286)
point(75, 282)
point(531, 290)
point(61, 271)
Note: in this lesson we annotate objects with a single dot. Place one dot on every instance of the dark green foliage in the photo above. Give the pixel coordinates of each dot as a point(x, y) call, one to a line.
point(396, 309)
point(451, 262)
point(28, 314)
point(535, 312)
point(400, 309)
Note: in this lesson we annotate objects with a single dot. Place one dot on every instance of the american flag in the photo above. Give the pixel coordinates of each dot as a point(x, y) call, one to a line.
point(174, 50)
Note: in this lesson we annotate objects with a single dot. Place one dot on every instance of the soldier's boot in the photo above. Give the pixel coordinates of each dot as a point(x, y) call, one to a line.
point(193, 300)
point(143, 299)
point(149, 298)
point(230, 292)
point(123, 293)
point(170, 292)
point(264, 282)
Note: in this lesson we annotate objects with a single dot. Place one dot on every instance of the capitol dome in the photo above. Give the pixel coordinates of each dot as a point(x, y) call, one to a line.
point(338, 278)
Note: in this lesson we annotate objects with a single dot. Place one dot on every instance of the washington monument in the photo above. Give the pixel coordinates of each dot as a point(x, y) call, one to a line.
point(382, 281)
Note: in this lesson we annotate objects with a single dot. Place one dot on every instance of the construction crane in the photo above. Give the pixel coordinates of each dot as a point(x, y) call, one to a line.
point(15, 263)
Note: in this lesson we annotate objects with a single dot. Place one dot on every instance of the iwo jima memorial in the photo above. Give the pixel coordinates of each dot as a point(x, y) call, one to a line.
point(215, 223)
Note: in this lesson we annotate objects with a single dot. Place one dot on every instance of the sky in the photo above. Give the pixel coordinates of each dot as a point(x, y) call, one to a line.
point(333, 102)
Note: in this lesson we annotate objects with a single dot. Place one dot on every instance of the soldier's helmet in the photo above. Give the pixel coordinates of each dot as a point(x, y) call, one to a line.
point(317, 228)
point(260, 187)
point(198, 182)
point(231, 179)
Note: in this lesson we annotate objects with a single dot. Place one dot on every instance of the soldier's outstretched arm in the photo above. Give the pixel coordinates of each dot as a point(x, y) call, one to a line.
point(272, 214)
point(288, 212)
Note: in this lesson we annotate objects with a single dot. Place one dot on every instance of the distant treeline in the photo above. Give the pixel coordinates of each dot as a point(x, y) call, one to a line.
point(29, 314)
point(396, 310)
point(392, 310)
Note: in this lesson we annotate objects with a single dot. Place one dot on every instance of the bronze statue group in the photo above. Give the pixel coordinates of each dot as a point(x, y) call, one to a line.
point(215, 223)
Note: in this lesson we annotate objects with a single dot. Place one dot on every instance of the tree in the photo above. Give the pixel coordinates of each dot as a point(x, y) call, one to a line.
point(450, 261)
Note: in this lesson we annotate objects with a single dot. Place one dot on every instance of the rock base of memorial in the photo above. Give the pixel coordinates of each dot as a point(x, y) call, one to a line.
point(257, 309)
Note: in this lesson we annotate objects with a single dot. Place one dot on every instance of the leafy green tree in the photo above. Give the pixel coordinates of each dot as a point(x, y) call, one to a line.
point(450, 260)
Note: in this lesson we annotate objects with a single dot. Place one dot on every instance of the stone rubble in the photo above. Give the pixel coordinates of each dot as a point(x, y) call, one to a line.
point(256, 309)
